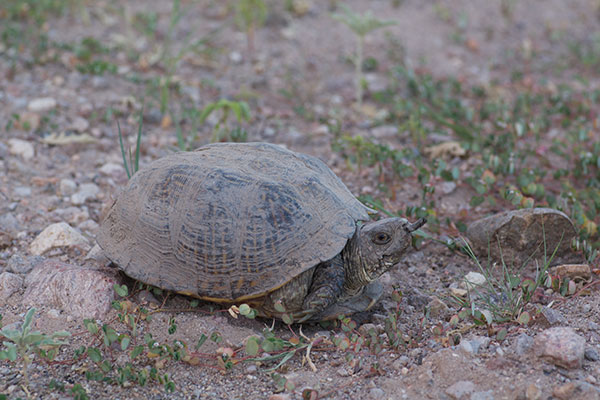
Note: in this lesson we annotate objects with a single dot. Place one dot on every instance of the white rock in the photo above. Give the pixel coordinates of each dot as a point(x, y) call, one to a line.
point(22, 191)
point(86, 191)
point(23, 148)
point(9, 284)
point(60, 234)
point(111, 169)
point(473, 280)
point(236, 57)
point(41, 104)
point(67, 187)
point(88, 225)
point(80, 124)
point(81, 292)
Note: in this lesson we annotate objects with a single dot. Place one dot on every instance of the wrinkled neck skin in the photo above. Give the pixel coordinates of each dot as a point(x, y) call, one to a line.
point(356, 276)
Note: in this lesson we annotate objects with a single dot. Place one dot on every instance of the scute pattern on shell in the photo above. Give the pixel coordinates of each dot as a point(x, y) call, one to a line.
point(229, 221)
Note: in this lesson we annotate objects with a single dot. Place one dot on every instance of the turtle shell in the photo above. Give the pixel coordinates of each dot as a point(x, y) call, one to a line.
point(229, 221)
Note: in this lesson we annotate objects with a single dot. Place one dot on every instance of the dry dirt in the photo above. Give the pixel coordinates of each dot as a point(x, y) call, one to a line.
point(306, 56)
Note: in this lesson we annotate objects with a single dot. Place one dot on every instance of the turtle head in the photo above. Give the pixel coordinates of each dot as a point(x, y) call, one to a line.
point(376, 248)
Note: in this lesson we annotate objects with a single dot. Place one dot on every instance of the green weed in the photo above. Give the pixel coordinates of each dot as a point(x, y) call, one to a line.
point(249, 16)
point(23, 343)
point(361, 25)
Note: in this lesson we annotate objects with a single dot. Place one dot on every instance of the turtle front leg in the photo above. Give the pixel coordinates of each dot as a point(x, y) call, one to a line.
point(325, 289)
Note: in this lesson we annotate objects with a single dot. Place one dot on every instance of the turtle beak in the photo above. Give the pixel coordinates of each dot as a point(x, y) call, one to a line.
point(416, 225)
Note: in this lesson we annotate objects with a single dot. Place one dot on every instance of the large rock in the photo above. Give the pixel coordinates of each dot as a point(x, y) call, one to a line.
point(79, 291)
point(60, 234)
point(561, 346)
point(9, 284)
point(518, 235)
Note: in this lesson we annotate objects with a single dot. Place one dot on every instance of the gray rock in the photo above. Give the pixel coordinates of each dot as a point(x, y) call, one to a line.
point(479, 342)
point(111, 169)
point(561, 346)
point(22, 191)
point(67, 187)
point(3, 151)
point(8, 223)
point(22, 148)
point(487, 395)
point(236, 57)
point(460, 390)
point(447, 187)
point(22, 264)
point(41, 104)
point(437, 308)
point(81, 292)
point(523, 344)
point(591, 354)
point(60, 234)
point(518, 236)
point(99, 82)
point(376, 393)
point(553, 317)
point(86, 192)
point(9, 284)
point(79, 124)
point(385, 131)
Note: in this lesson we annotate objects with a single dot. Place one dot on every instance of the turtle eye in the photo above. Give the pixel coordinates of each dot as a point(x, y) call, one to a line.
point(381, 238)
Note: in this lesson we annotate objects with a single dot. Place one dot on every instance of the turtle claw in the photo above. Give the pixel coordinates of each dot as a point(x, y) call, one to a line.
point(304, 315)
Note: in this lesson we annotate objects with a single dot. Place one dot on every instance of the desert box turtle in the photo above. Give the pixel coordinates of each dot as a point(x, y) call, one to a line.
point(253, 223)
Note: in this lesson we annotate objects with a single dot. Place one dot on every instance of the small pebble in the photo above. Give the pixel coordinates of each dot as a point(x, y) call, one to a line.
point(67, 187)
point(41, 104)
point(22, 191)
point(87, 191)
point(460, 390)
point(591, 354)
point(523, 344)
point(236, 57)
point(22, 148)
point(376, 393)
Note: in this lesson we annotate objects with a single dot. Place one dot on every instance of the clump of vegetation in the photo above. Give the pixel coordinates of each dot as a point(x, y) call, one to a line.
point(249, 16)
point(361, 25)
point(23, 344)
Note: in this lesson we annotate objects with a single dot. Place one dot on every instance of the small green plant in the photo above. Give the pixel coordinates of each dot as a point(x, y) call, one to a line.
point(249, 16)
point(361, 25)
point(222, 131)
point(504, 296)
point(23, 343)
point(130, 162)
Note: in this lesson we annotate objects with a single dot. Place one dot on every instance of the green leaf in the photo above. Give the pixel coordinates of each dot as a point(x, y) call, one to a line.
point(361, 25)
point(10, 353)
point(121, 290)
point(10, 334)
point(125, 340)
point(94, 354)
point(137, 350)
point(252, 346)
point(245, 309)
point(279, 307)
point(91, 326)
point(28, 319)
point(287, 319)
point(524, 318)
point(201, 341)
point(501, 335)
